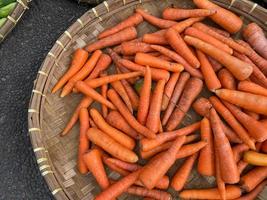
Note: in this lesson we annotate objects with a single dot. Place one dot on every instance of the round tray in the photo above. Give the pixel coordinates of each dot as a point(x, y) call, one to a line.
point(13, 18)
point(48, 114)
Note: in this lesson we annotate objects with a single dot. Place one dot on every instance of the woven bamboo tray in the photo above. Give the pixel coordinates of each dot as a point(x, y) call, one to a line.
point(48, 114)
point(13, 18)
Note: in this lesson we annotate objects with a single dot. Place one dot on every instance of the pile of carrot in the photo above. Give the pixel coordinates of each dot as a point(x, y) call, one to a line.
point(156, 79)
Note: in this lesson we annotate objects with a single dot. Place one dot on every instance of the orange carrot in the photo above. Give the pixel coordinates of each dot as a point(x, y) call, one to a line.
point(241, 165)
point(153, 38)
point(210, 77)
point(114, 97)
point(124, 165)
point(144, 101)
point(176, 57)
point(92, 123)
point(190, 149)
point(111, 146)
point(250, 180)
point(79, 58)
point(206, 160)
point(232, 121)
point(146, 59)
point(132, 20)
point(83, 141)
point(114, 167)
point(104, 89)
point(182, 174)
point(264, 147)
point(215, 64)
point(238, 68)
point(153, 116)
point(252, 114)
point(161, 23)
point(227, 79)
point(141, 191)
point(220, 31)
point(131, 48)
point(232, 192)
point(178, 44)
point(156, 168)
point(223, 17)
point(115, 119)
point(182, 25)
point(192, 88)
point(252, 102)
point(251, 87)
point(95, 165)
point(112, 40)
point(133, 96)
point(255, 158)
point(84, 103)
point(83, 73)
point(177, 14)
point(238, 151)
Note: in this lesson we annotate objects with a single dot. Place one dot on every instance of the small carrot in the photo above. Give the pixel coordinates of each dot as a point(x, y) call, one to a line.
point(95, 165)
point(115, 119)
point(124, 165)
point(252, 114)
point(153, 116)
point(84, 103)
point(190, 149)
point(161, 23)
point(232, 192)
point(114, 167)
point(177, 13)
point(178, 44)
point(82, 74)
point(156, 168)
point(112, 40)
point(255, 158)
point(227, 79)
point(144, 101)
point(220, 31)
point(132, 20)
point(241, 165)
point(206, 158)
point(247, 86)
point(92, 123)
point(114, 97)
point(133, 96)
point(153, 38)
point(223, 17)
point(252, 102)
point(238, 68)
point(131, 48)
point(182, 174)
point(191, 90)
point(163, 57)
point(238, 151)
point(228, 167)
point(104, 89)
point(155, 194)
point(255, 176)
point(210, 77)
point(79, 58)
point(215, 64)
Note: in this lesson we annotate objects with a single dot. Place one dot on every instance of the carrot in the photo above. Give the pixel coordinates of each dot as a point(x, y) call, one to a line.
point(206, 160)
point(84, 103)
point(210, 77)
point(177, 43)
point(182, 25)
point(148, 144)
point(119, 88)
point(168, 90)
point(252, 114)
point(232, 192)
point(255, 158)
point(238, 68)
point(153, 38)
point(111, 146)
point(124, 165)
point(131, 48)
point(153, 116)
point(163, 57)
point(238, 151)
point(95, 165)
point(192, 88)
point(114, 167)
point(232, 121)
point(264, 147)
point(254, 193)
point(118, 187)
point(83, 141)
point(83, 73)
point(228, 167)
point(104, 89)
point(132, 20)
point(144, 101)
point(251, 102)
point(79, 58)
point(133, 97)
point(177, 14)
point(146, 59)
point(161, 23)
point(251, 87)
point(190, 149)
point(113, 96)
point(223, 17)
point(92, 123)
point(220, 31)
point(112, 40)
point(141, 191)
point(227, 79)
point(156, 168)
point(256, 38)
point(194, 32)
point(157, 74)
point(255, 176)
point(182, 174)
point(256, 129)
point(176, 57)
point(115, 119)
point(241, 165)
point(215, 64)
